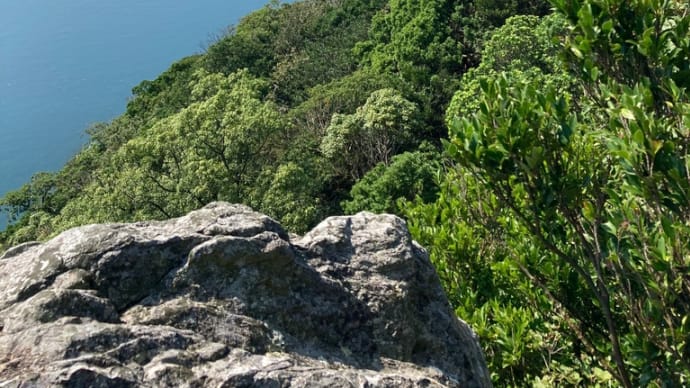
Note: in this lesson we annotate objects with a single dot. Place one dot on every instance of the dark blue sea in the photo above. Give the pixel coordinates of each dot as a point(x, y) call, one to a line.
point(67, 64)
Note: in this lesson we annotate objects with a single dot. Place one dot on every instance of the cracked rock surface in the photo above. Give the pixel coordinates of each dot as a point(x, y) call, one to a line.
point(223, 297)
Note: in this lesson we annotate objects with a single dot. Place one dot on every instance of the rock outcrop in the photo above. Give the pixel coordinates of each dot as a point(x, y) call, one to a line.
point(224, 297)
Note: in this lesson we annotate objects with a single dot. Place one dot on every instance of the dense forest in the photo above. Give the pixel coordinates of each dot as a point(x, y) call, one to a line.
point(539, 150)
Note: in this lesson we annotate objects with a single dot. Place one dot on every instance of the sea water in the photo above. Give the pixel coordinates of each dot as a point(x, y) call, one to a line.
point(67, 64)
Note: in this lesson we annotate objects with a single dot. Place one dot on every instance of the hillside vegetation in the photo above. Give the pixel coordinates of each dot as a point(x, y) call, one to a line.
point(538, 149)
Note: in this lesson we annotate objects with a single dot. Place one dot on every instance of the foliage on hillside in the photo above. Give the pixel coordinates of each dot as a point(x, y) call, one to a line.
point(569, 200)
point(542, 159)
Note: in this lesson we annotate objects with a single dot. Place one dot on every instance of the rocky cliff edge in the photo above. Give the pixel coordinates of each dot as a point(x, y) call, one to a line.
point(224, 297)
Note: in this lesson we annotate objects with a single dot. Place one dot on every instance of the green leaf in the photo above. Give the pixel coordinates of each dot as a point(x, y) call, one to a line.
point(594, 73)
point(607, 26)
point(536, 157)
point(668, 227)
point(564, 134)
point(610, 228)
point(576, 51)
point(638, 138)
point(588, 211)
point(452, 150)
point(661, 246)
point(627, 114)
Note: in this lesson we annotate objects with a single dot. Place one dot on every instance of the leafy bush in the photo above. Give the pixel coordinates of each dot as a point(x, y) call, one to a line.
point(600, 187)
point(409, 175)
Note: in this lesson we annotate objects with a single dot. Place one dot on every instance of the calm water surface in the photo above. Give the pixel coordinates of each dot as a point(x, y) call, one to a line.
point(67, 64)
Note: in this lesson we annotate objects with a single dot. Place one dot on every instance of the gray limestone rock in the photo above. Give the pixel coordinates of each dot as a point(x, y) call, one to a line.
point(223, 297)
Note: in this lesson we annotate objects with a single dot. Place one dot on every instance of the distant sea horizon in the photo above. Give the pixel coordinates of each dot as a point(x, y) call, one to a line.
point(66, 65)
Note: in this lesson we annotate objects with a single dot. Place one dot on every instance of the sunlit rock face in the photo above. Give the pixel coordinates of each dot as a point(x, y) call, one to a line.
point(225, 297)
